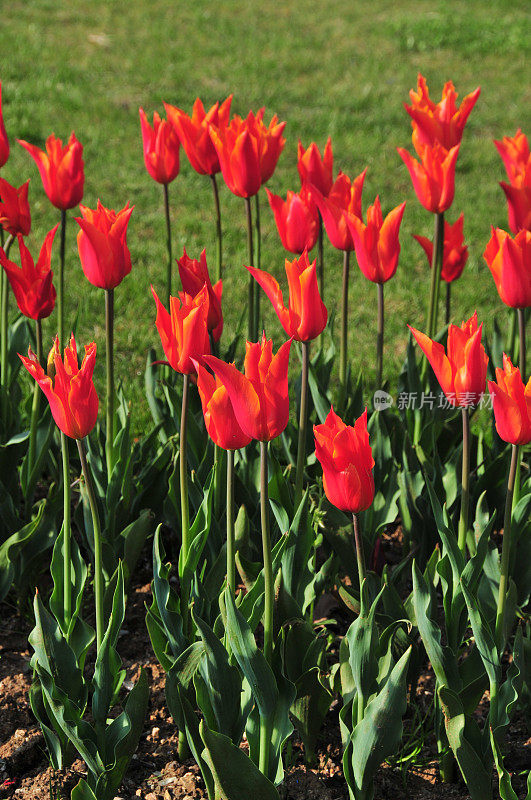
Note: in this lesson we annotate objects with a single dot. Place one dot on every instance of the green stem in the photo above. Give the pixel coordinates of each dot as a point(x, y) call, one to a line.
point(98, 569)
point(109, 361)
point(303, 421)
point(231, 568)
point(448, 303)
point(61, 280)
point(258, 265)
point(380, 336)
point(436, 267)
point(250, 300)
point(36, 401)
point(359, 549)
point(513, 325)
point(321, 258)
point(465, 482)
point(506, 550)
point(67, 561)
point(4, 302)
point(265, 722)
point(344, 326)
point(168, 242)
point(185, 519)
point(219, 239)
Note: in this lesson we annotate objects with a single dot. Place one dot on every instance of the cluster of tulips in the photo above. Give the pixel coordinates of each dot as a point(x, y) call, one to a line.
point(204, 661)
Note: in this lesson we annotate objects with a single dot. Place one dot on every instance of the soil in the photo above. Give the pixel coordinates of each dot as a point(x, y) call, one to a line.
point(155, 773)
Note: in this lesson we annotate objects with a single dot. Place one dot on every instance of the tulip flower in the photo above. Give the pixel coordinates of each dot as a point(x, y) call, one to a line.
point(194, 275)
point(32, 283)
point(461, 373)
point(102, 245)
point(315, 169)
point(439, 122)
point(161, 148)
point(509, 261)
point(183, 330)
point(346, 458)
point(377, 249)
point(518, 194)
point(15, 215)
point(296, 218)
point(433, 177)
point(70, 389)
point(514, 152)
point(4, 141)
point(61, 170)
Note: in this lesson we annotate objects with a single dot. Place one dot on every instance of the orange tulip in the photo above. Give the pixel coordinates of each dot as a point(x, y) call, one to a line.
point(296, 219)
point(61, 170)
point(161, 148)
point(15, 215)
point(514, 152)
point(194, 275)
point(518, 194)
point(4, 141)
point(102, 245)
point(434, 177)
point(259, 397)
point(461, 372)
point(306, 316)
point(183, 330)
point(455, 251)
point(32, 283)
point(346, 458)
point(343, 203)
point(509, 260)
point(194, 132)
point(315, 169)
point(441, 122)
point(220, 421)
point(70, 391)
point(376, 243)
point(511, 402)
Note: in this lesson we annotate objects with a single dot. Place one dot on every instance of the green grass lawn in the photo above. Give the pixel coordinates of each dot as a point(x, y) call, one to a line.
point(332, 68)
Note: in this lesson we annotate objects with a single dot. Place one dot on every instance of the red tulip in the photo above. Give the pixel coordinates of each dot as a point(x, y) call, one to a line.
point(306, 316)
point(220, 420)
point(434, 177)
point(183, 330)
point(518, 195)
point(4, 141)
point(346, 458)
point(161, 148)
point(296, 218)
point(70, 390)
point(102, 245)
point(376, 243)
point(61, 170)
point(15, 215)
point(514, 152)
point(342, 203)
point(194, 275)
point(194, 132)
point(511, 402)
point(509, 260)
point(315, 169)
point(248, 151)
point(463, 371)
point(455, 251)
point(32, 283)
point(260, 396)
point(443, 122)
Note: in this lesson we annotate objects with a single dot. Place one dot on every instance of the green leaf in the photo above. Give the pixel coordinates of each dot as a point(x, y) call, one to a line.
point(108, 676)
point(199, 530)
point(167, 601)
point(11, 547)
point(82, 791)
point(362, 638)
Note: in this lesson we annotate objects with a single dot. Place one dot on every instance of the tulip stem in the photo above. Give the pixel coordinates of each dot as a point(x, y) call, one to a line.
point(4, 292)
point(380, 336)
point(98, 570)
point(521, 336)
point(250, 301)
point(506, 550)
point(465, 482)
point(185, 519)
point(265, 722)
point(344, 326)
point(219, 240)
point(168, 241)
point(321, 259)
point(436, 267)
point(231, 570)
point(303, 421)
point(448, 303)
point(34, 407)
point(257, 263)
point(359, 549)
point(67, 561)
point(61, 280)
point(109, 353)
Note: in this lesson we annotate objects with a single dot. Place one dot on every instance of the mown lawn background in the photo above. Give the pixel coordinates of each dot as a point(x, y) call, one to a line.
point(328, 68)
